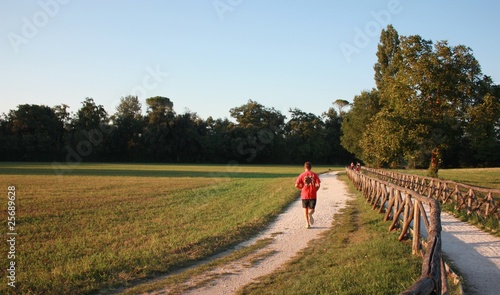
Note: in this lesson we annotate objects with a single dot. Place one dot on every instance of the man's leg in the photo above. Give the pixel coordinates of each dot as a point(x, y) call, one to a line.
point(306, 210)
point(312, 205)
point(311, 219)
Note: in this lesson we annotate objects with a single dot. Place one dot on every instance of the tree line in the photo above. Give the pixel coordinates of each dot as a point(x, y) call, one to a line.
point(432, 107)
point(258, 134)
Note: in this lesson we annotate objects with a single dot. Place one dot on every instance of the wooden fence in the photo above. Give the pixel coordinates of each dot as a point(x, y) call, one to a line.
point(481, 201)
point(405, 207)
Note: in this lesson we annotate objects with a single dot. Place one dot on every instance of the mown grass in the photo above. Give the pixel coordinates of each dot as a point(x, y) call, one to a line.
point(357, 256)
point(100, 226)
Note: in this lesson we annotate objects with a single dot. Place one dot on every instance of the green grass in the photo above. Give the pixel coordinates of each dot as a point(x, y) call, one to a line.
point(100, 226)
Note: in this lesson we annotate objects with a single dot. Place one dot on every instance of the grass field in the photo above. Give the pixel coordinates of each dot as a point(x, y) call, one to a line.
point(99, 226)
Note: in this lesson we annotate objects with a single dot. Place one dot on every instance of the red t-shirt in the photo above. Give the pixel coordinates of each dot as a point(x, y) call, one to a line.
point(309, 182)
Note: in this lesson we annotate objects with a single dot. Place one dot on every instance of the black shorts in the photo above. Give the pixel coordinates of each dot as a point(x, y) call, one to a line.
point(309, 203)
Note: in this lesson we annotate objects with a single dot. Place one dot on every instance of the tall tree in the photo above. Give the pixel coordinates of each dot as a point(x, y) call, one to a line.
point(129, 107)
point(157, 136)
point(160, 109)
point(62, 113)
point(89, 131)
point(341, 104)
point(125, 141)
point(387, 63)
point(425, 95)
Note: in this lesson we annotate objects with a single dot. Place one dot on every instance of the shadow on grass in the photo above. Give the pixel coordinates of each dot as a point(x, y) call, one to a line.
point(139, 173)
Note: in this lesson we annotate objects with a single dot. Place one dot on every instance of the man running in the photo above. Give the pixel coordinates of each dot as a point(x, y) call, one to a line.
point(308, 182)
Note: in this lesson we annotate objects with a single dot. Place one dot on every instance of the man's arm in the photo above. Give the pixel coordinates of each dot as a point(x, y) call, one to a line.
point(299, 183)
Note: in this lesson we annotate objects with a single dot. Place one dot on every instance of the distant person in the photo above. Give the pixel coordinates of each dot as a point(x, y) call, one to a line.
point(358, 167)
point(308, 182)
point(352, 166)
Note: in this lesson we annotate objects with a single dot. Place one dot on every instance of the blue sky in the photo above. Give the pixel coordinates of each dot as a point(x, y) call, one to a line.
point(209, 56)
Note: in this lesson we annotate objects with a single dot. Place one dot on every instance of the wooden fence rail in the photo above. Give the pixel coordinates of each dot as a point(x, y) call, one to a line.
point(482, 201)
point(405, 207)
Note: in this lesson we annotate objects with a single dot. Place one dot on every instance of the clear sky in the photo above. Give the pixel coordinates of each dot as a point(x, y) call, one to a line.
point(209, 56)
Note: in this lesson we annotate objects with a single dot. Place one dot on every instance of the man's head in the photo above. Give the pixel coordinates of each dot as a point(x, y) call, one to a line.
point(307, 165)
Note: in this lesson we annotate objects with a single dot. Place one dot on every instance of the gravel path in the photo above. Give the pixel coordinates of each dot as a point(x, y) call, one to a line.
point(475, 253)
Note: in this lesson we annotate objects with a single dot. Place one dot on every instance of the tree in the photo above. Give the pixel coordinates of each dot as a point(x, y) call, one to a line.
point(387, 63)
point(257, 134)
point(62, 113)
point(160, 109)
point(125, 141)
point(381, 141)
point(157, 137)
point(253, 114)
point(89, 131)
point(354, 124)
point(440, 84)
point(425, 93)
point(333, 133)
point(33, 133)
point(90, 116)
point(341, 104)
point(482, 135)
point(129, 107)
point(306, 137)
point(217, 143)
point(187, 134)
